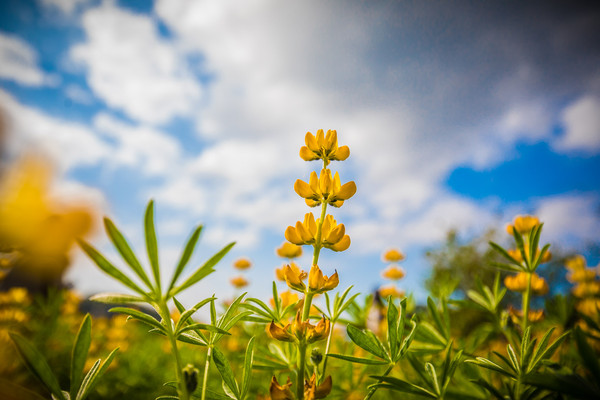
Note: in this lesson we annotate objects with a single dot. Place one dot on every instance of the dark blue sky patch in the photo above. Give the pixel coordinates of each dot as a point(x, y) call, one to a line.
point(535, 171)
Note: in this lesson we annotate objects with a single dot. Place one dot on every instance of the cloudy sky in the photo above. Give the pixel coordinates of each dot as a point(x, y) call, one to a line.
point(457, 114)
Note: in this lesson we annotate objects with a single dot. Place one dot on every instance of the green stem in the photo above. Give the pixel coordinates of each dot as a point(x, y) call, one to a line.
point(374, 389)
point(166, 316)
point(317, 245)
point(526, 299)
point(205, 377)
point(301, 367)
point(327, 351)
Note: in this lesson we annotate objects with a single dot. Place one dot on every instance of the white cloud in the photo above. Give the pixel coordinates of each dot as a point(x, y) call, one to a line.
point(148, 150)
point(19, 62)
point(69, 144)
point(79, 94)
point(581, 122)
point(132, 68)
point(570, 220)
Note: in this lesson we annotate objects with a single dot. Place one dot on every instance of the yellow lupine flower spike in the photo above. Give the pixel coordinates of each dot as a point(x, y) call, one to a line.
point(392, 256)
point(333, 235)
point(324, 189)
point(518, 283)
point(318, 283)
point(323, 147)
point(303, 232)
point(523, 224)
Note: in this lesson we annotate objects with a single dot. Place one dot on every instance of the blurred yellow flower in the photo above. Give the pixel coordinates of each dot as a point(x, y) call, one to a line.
point(518, 283)
point(289, 250)
point(242, 263)
point(575, 263)
point(392, 256)
point(324, 189)
point(281, 392)
point(286, 299)
point(533, 315)
point(390, 290)
point(332, 234)
point(239, 282)
point(324, 147)
point(589, 306)
point(516, 254)
point(393, 272)
point(523, 224)
point(581, 275)
point(318, 283)
point(585, 289)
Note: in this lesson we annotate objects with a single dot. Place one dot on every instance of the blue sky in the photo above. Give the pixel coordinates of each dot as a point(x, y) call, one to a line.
point(458, 115)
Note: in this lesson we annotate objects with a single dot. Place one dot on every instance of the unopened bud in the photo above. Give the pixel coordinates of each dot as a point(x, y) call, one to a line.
point(190, 376)
point(316, 356)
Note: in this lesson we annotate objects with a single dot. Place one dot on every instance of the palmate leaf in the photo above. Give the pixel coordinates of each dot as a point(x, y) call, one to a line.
point(11, 391)
point(187, 314)
point(367, 341)
point(124, 249)
point(572, 385)
point(151, 243)
point(79, 354)
point(37, 364)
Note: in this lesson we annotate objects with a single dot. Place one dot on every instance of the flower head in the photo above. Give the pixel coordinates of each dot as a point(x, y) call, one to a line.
point(392, 256)
point(304, 330)
point(393, 272)
point(575, 263)
point(286, 299)
point(289, 250)
point(523, 224)
point(313, 391)
point(318, 283)
point(294, 277)
point(324, 147)
point(518, 283)
point(332, 234)
point(239, 281)
point(242, 263)
point(324, 189)
point(532, 315)
point(280, 333)
point(281, 392)
point(390, 290)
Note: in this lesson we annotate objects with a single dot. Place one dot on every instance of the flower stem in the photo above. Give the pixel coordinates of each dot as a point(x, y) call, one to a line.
point(205, 377)
point(374, 389)
point(526, 299)
point(166, 316)
point(301, 368)
point(327, 351)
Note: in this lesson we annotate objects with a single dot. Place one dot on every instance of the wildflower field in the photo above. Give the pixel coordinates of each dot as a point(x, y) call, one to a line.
point(502, 334)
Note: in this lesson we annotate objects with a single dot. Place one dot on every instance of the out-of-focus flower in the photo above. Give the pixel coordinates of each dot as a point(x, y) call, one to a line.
point(575, 263)
point(324, 147)
point(581, 275)
point(585, 289)
point(589, 306)
point(324, 189)
point(242, 263)
point(332, 234)
point(289, 250)
point(517, 315)
point(392, 256)
point(280, 392)
point(286, 299)
point(294, 277)
point(318, 283)
point(239, 282)
point(516, 254)
point(313, 391)
point(523, 224)
point(518, 283)
point(390, 290)
point(393, 272)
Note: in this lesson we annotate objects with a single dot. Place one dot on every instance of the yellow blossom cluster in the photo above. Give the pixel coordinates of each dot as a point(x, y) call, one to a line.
point(523, 224)
point(393, 272)
point(518, 283)
point(332, 234)
point(240, 264)
point(587, 286)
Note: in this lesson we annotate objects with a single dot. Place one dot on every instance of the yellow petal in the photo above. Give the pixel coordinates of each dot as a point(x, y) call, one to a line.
point(320, 139)
point(279, 333)
point(289, 250)
point(311, 142)
point(341, 153)
point(242, 263)
point(291, 234)
point(392, 255)
point(336, 234)
point(325, 183)
point(315, 278)
point(303, 189)
point(342, 245)
point(332, 282)
point(347, 190)
point(307, 155)
point(280, 392)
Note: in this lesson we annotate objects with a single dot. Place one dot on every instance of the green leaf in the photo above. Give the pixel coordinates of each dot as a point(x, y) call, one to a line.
point(225, 370)
point(264, 309)
point(392, 328)
point(543, 354)
point(587, 354)
point(151, 242)
point(139, 315)
point(189, 337)
point(91, 379)
point(504, 253)
point(527, 346)
point(37, 364)
point(186, 255)
point(428, 332)
point(521, 247)
point(506, 267)
point(485, 363)
point(125, 250)
point(187, 314)
point(79, 354)
point(276, 298)
point(9, 390)
point(572, 385)
point(409, 338)
point(490, 388)
point(248, 360)
point(206, 327)
point(367, 341)
point(229, 313)
point(403, 386)
point(433, 375)
point(479, 299)
point(202, 271)
point(107, 267)
point(512, 355)
point(359, 360)
point(116, 298)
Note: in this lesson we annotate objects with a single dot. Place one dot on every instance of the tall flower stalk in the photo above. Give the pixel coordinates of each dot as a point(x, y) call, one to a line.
point(325, 232)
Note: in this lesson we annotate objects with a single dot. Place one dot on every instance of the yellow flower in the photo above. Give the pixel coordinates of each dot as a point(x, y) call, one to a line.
point(516, 254)
point(239, 281)
point(324, 189)
point(393, 273)
point(304, 330)
point(523, 224)
point(585, 289)
point(581, 275)
point(392, 256)
point(280, 392)
point(280, 333)
point(589, 306)
point(242, 263)
point(318, 283)
point(289, 250)
point(575, 263)
point(324, 147)
point(313, 391)
point(294, 277)
point(332, 234)
point(518, 283)
point(286, 299)
point(533, 315)
point(390, 290)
